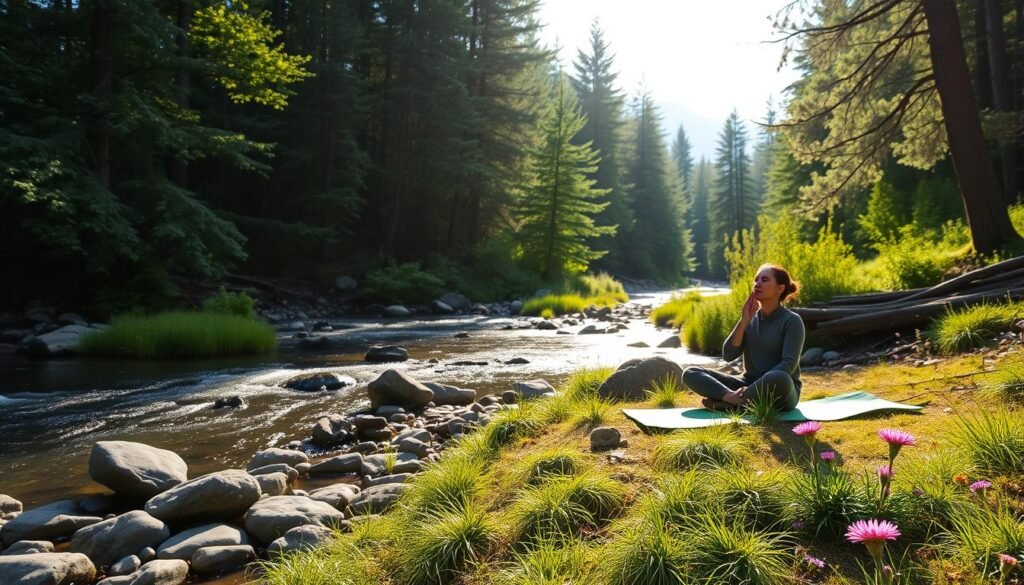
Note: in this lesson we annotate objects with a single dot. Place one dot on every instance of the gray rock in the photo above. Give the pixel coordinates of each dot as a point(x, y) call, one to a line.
point(830, 356)
point(455, 300)
point(315, 343)
point(71, 319)
point(345, 283)
point(377, 435)
point(183, 545)
point(48, 522)
point(418, 434)
point(9, 507)
point(378, 464)
point(147, 554)
point(386, 353)
point(222, 495)
point(337, 495)
point(604, 438)
point(313, 382)
point(303, 469)
point(125, 566)
point(396, 311)
point(288, 470)
point(329, 430)
point(214, 559)
point(812, 357)
point(269, 518)
point(275, 455)
point(301, 538)
point(453, 395)
point(590, 330)
point(386, 479)
point(347, 463)
point(415, 446)
point(62, 341)
point(546, 325)
point(27, 547)
point(397, 388)
point(160, 572)
point(367, 421)
point(376, 499)
point(671, 342)
point(635, 377)
point(273, 484)
point(389, 409)
point(515, 307)
point(533, 388)
point(136, 470)
point(441, 308)
point(107, 541)
point(638, 344)
point(46, 569)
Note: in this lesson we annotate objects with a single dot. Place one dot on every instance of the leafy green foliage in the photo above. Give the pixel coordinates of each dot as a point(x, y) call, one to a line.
point(914, 259)
point(980, 533)
point(229, 303)
point(826, 510)
point(403, 283)
point(341, 563)
point(551, 463)
point(181, 335)
point(677, 310)
point(712, 319)
point(1006, 384)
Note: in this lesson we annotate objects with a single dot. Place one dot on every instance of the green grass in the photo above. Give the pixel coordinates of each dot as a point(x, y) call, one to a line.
point(646, 552)
point(675, 498)
point(442, 547)
point(592, 412)
point(724, 551)
point(340, 563)
point(706, 448)
point(511, 424)
point(711, 322)
point(993, 439)
point(181, 335)
point(600, 285)
point(564, 505)
point(665, 392)
point(564, 304)
point(979, 533)
point(548, 562)
point(1006, 385)
point(677, 310)
point(447, 486)
point(973, 327)
point(556, 462)
point(757, 498)
point(828, 511)
point(584, 383)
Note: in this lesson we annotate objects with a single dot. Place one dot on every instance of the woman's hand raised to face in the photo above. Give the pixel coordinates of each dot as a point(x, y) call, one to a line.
point(750, 308)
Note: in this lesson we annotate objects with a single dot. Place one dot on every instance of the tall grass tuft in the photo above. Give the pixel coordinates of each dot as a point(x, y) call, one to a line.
point(994, 440)
point(712, 320)
point(724, 551)
point(928, 478)
point(1007, 383)
point(180, 334)
point(756, 498)
point(555, 409)
point(592, 412)
point(979, 533)
point(450, 485)
point(706, 448)
point(511, 424)
point(826, 510)
point(549, 562)
point(566, 303)
point(969, 328)
point(648, 552)
point(585, 382)
point(340, 563)
point(664, 391)
point(601, 285)
point(677, 310)
point(443, 546)
point(675, 498)
point(552, 463)
point(563, 506)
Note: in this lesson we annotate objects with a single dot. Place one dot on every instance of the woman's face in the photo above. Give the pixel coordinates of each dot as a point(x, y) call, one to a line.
point(765, 285)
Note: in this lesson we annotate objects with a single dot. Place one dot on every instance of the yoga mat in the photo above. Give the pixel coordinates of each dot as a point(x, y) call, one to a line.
point(822, 409)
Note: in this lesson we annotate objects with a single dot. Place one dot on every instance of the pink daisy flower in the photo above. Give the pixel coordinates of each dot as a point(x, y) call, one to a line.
point(810, 427)
point(885, 472)
point(896, 437)
point(1006, 559)
point(828, 456)
point(980, 485)
point(873, 534)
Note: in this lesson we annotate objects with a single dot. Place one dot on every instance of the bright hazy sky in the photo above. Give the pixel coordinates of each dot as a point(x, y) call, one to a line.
point(699, 59)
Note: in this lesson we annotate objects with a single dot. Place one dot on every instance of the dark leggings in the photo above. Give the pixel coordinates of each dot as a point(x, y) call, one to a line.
point(711, 384)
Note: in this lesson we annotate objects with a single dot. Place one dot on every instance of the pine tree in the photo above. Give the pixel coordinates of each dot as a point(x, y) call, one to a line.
point(601, 102)
point(557, 210)
point(733, 206)
point(659, 244)
point(763, 151)
point(699, 222)
point(682, 154)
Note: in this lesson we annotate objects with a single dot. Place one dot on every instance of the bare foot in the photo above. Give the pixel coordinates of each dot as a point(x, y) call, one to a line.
point(734, 398)
point(712, 404)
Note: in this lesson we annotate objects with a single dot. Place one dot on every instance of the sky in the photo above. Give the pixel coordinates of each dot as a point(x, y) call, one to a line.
point(698, 59)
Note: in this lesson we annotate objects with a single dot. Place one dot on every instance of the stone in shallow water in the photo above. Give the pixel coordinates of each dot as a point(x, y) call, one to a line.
point(136, 470)
point(108, 541)
point(184, 544)
point(275, 455)
point(46, 569)
point(55, 520)
point(269, 518)
point(221, 495)
point(214, 559)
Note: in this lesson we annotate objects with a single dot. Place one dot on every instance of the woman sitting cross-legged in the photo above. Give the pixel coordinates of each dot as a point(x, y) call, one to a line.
point(770, 338)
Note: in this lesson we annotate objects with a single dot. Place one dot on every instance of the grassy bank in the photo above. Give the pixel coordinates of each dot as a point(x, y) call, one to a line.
point(582, 292)
point(525, 501)
point(181, 334)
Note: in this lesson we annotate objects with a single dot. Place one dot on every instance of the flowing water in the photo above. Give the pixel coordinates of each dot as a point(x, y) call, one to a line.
point(52, 411)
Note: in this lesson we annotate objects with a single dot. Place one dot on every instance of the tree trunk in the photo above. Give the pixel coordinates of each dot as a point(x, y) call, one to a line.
point(1002, 96)
point(986, 210)
point(101, 65)
point(177, 168)
point(982, 74)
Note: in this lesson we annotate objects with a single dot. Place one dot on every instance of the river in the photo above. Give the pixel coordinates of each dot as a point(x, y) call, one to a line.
point(52, 411)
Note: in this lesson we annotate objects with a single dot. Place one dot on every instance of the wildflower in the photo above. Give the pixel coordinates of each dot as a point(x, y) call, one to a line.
point(897, 439)
point(828, 456)
point(961, 478)
point(799, 525)
point(980, 485)
point(1006, 564)
point(807, 429)
point(885, 472)
point(887, 574)
point(814, 562)
point(873, 534)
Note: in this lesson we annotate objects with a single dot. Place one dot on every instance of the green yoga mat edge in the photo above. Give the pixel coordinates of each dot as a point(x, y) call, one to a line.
point(823, 409)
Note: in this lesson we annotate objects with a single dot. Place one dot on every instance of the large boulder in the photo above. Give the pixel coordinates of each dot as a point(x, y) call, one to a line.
point(185, 544)
point(214, 559)
point(275, 455)
point(221, 495)
point(107, 541)
point(25, 547)
point(453, 395)
point(457, 301)
point(269, 518)
point(386, 353)
point(136, 470)
point(63, 341)
point(397, 388)
point(316, 381)
point(162, 572)
point(376, 499)
point(533, 388)
point(337, 495)
point(635, 377)
point(48, 522)
point(347, 463)
point(46, 569)
point(301, 538)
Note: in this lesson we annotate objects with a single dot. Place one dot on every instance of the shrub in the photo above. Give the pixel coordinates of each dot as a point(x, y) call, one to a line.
point(442, 546)
point(973, 327)
point(600, 285)
point(584, 383)
point(565, 304)
point(664, 392)
point(728, 552)
point(562, 506)
point(1007, 383)
point(706, 448)
point(647, 553)
point(181, 335)
point(993, 439)
point(402, 283)
point(552, 463)
point(227, 303)
point(915, 259)
point(510, 424)
point(450, 485)
point(677, 310)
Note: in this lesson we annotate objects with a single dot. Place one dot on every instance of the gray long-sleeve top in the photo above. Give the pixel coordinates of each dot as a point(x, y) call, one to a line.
point(771, 342)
